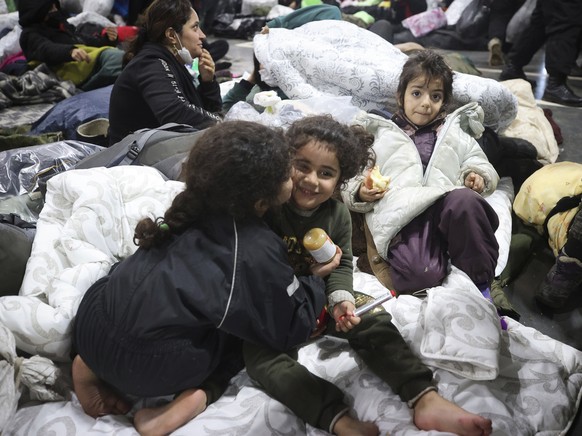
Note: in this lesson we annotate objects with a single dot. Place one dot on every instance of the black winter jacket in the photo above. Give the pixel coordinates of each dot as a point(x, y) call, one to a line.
point(51, 45)
point(154, 89)
point(206, 285)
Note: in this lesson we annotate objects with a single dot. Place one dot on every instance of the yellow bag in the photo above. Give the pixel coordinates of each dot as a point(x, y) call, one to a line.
point(540, 193)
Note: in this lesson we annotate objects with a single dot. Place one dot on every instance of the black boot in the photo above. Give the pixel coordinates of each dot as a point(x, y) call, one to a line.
point(558, 92)
point(510, 71)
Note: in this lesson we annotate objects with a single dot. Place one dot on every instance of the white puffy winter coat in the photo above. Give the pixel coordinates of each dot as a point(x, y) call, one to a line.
point(456, 154)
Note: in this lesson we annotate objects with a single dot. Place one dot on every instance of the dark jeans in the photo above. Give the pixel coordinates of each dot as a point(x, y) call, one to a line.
point(501, 13)
point(461, 227)
point(558, 24)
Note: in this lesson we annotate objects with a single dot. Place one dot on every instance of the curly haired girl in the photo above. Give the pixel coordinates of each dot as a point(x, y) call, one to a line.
point(170, 319)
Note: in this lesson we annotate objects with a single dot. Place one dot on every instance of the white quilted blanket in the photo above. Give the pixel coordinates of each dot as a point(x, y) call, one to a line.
point(527, 383)
point(86, 226)
point(339, 58)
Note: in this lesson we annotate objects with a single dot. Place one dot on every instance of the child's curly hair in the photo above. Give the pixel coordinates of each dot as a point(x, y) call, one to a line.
point(432, 66)
point(351, 144)
point(232, 166)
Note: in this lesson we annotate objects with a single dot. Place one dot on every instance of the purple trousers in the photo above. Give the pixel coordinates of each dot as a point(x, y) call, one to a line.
point(459, 227)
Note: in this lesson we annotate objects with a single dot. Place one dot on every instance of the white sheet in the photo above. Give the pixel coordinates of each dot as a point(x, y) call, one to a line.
point(537, 390)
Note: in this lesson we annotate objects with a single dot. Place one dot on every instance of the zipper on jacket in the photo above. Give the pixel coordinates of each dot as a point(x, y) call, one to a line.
point(233, 274)
point(440, 137)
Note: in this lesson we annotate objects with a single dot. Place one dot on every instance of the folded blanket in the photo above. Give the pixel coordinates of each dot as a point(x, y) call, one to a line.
point(461, 329)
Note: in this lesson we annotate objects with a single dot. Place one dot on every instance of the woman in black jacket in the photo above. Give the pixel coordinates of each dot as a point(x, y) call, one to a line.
point(170, 319)
point(158, 84)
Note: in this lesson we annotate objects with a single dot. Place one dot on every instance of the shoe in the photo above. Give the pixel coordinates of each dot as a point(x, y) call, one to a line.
point(564, 277)
point(561, 93)
point(217, 49)
point(219, 66)
point(495, 53)
point(510, 72)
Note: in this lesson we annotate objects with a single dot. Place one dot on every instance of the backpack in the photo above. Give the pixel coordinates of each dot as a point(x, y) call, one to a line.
point(164, 148)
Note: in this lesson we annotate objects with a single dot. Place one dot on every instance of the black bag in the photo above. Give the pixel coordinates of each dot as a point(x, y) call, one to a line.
point(164, 148)
point(16, 237)
point(474, 19)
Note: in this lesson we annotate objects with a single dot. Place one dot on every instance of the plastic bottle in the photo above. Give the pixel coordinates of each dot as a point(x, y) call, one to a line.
point(320, 245)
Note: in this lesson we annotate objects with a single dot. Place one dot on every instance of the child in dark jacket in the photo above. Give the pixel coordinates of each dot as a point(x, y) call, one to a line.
point(170, 319)
point(328, 154)
point(89, 61)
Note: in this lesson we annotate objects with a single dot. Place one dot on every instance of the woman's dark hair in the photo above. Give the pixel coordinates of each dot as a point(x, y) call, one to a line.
point(159, 16)
point(351, 144)
point(233, 165)
point(432, 66)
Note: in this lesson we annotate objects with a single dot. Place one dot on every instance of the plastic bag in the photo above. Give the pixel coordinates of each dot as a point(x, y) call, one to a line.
point(257, 7)
point(286, 112)
point(237, 27)
point(474, 20)
point(101, 7)
point(22, 167)
point(425, 22)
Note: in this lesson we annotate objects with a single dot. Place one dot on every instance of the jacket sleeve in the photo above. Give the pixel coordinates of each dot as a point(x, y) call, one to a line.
point(476, 161)
point(164, 93)
point(238, 92)
point(210, 94)
point(96, 40)
point(270, 305)
point(351, 199)
point(340, 283)
point(37, 47)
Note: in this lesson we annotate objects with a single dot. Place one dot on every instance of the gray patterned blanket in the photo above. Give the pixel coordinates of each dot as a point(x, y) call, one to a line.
point(33, 87)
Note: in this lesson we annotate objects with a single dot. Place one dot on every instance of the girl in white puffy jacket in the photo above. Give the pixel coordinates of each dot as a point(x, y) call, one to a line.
point(433, 210)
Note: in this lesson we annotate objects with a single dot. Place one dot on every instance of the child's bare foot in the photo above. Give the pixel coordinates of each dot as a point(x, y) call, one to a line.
point(349, 426)
point(433, 412)
point(96, 398)
point(167, 418)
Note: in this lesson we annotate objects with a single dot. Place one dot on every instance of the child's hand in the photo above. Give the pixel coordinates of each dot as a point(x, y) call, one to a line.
point(343, 313)
point(324, 269)
point(475, 182)
point(370, 194)
point(111, 33)
point(206, 66)
point(80, 55)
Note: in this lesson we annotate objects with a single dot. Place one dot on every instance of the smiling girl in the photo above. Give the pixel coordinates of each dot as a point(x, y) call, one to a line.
point(327, 153)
